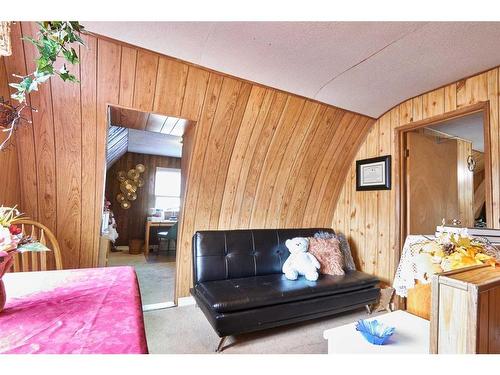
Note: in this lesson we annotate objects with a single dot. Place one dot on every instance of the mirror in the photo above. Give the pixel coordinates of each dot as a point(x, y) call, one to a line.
point(445, 174)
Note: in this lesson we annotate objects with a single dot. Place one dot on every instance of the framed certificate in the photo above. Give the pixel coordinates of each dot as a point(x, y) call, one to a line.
point(374, 173)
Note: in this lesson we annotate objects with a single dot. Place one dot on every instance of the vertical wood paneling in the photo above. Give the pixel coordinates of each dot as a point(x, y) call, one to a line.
point(171, 83)
point(196, 85)
point(194, 183)
point(417, 113)
point(88, 89)
point(68, 152)
point(395, 246)
point(272, 162)
point(384, 202)
point(43, 129)
point(229, 148)
point(237, 168)
point(450, 97)
point(258, 156)
point(324, 184)
point(406, 112)
point(108, 91)
point(145, 80)
point(292, 152)
point(362, 214)
point(28, 184)
point(371, 205)
point(127, 76)
point(332, 184)
point(10, 194)
point(433, 103)
point(493, 97)
point(222, 118)
point(314, 149)
point(263, 142)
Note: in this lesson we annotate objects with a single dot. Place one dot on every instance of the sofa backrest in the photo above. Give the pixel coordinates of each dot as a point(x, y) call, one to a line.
point(230, 254)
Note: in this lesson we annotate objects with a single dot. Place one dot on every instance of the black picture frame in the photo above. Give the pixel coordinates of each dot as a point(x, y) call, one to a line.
point(385, 184)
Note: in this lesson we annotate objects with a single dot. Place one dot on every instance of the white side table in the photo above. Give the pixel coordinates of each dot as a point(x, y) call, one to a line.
point(410, 337)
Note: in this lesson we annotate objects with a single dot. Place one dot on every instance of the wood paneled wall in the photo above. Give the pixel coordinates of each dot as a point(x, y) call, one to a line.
point(10, 194)
point(260, 157)
point(369, 218)
point(131, 222)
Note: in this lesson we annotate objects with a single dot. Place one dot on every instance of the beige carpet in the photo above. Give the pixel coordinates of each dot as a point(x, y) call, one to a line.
point(156, 274)
point(185, 330)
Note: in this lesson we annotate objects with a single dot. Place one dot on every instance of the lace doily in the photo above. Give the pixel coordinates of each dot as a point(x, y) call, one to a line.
point(407, 268)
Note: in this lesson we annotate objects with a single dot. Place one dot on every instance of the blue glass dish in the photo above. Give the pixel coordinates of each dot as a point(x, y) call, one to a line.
point(374, 332)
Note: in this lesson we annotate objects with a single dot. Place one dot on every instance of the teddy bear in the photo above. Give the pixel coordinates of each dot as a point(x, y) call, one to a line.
point(300, 261)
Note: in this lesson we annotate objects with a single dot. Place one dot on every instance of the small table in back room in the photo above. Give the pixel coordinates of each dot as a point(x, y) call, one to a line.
point(149, 224)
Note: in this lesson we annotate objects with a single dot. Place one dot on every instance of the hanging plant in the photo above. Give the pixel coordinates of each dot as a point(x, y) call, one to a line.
point(55, 39)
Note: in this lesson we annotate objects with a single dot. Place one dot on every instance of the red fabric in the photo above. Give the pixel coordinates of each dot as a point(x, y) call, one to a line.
point(85, 311)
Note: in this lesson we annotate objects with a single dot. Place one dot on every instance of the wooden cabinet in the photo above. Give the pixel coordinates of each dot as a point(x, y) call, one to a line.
point(465, 314)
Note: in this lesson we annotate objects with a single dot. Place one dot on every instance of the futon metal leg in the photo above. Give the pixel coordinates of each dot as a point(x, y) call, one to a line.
point(368, 309)
point(220, 347)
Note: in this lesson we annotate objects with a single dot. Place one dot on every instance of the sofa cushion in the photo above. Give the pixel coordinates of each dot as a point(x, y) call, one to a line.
point(327, 252)
point(251, 292)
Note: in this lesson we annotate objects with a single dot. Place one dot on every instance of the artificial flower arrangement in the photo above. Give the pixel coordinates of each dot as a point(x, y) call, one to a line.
point(11, 237)
point(451, 251)
point(12, 241)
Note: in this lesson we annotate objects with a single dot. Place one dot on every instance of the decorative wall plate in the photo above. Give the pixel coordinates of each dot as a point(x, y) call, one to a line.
point(129, 183)
point(125, 205)
point(122, 176)
point(131, 196)
point(133, 174)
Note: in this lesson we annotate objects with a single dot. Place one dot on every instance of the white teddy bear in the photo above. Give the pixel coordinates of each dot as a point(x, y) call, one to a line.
point(300, 262)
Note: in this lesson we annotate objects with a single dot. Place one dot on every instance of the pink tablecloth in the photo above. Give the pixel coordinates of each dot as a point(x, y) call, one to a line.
point(86, 311)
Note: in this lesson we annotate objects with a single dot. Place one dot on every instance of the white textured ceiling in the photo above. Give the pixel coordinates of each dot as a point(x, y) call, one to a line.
point(468, 127)
point(367, 67)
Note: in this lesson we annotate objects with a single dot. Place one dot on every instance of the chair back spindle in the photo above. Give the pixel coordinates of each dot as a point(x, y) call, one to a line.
point(38, 261)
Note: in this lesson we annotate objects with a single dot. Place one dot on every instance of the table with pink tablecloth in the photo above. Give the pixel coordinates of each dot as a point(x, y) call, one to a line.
point(84, 311)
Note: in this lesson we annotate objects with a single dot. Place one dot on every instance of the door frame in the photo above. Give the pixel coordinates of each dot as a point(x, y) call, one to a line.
point(184, 182)
point(400, 135)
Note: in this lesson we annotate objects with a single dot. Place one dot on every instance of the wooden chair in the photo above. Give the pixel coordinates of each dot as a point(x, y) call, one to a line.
point(38, 261)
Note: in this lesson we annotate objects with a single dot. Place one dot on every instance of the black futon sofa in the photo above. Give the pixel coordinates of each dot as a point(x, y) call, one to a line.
point(239, 285)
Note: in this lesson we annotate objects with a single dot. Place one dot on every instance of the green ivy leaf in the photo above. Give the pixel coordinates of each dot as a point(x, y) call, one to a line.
point(53, 41)
point(41, 77)
point(71, 56)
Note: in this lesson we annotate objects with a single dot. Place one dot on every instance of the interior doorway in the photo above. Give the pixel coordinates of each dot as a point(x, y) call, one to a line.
point(144, 189)
point(445, 172)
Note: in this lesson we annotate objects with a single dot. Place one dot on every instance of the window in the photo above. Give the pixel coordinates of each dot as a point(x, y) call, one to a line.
point(168, 189)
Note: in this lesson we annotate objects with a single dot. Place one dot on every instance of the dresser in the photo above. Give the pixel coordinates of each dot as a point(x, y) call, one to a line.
point(465, 311)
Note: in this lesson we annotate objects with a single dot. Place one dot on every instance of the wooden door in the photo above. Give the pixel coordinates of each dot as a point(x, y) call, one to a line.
point(432, 189)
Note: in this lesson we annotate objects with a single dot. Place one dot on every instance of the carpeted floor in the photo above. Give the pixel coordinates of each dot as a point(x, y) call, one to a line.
point(185, 330)
point(156, 274)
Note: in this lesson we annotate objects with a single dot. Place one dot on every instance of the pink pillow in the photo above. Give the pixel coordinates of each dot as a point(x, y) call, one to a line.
point(327, 252)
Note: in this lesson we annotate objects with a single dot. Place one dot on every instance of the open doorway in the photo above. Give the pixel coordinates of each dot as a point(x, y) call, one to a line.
point(144, 192)
point(446, 173)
